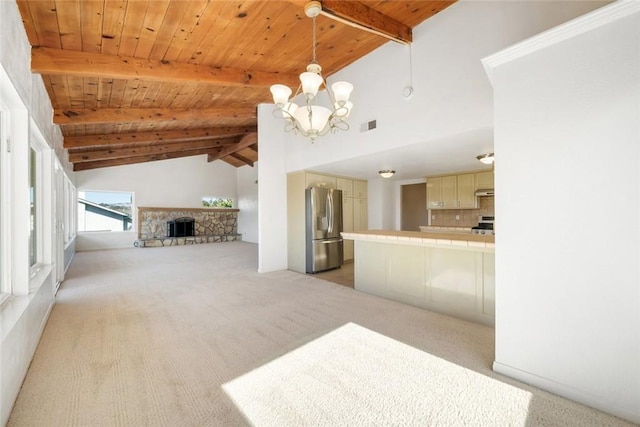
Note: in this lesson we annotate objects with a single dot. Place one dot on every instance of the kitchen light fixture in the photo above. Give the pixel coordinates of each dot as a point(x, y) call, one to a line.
point(487, 159)
point(386, 173)
point(313, 120)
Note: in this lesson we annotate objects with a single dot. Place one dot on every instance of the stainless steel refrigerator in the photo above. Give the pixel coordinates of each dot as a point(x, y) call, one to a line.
point(323, 227)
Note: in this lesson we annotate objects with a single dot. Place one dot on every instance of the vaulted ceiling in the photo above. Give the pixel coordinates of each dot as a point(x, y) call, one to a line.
point(134, 81)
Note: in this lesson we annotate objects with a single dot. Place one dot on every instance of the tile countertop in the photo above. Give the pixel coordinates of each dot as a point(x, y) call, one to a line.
point(424, 238)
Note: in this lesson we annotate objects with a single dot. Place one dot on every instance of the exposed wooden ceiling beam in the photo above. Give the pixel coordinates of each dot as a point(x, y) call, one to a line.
point(242, 159)
point(144, 138)
point(69, 116)
point(154, 149)
point(138, 159)
point(358, 15)
point(86, 64)
point(246, 141)
point(233, 161)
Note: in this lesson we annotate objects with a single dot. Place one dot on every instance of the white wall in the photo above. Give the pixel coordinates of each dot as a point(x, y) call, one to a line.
point(452, 94)
point(248, 203)
point(380, 208)
point(22, 317)
point(177, 183)
point(272, 194)
point(567, 278)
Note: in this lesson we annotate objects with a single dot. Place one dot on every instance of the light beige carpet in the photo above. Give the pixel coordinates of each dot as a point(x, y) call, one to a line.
point(193, 336)
point(353, 376)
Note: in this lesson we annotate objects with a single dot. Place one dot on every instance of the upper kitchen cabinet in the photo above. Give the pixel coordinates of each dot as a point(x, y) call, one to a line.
point(434, 193)
point(317, 180)
point(360, 189)
point(484, 180)
point(466, 191)
point(441, 192)
point(452, 191)
point(346, 185)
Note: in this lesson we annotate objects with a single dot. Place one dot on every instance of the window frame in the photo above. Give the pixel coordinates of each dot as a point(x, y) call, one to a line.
point(5, 226)
point(35, 187)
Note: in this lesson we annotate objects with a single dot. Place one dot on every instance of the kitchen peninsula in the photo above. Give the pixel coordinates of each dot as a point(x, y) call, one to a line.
point(449, 272)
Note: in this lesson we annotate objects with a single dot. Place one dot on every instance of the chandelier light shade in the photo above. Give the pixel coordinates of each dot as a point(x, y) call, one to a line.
point(311, 119)
point(487, 159)
point(387, 173)
point(281, 94)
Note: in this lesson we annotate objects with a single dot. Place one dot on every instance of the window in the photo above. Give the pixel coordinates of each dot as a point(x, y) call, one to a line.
point(5, 287)
point(33, 210)
point(217, 202)
point(105, 211)
point(69, 211)
point(40, 210)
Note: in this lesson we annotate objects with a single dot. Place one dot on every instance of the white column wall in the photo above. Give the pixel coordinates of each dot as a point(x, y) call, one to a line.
point(380, 206)
point(272, 193)
point(248, 203)
point(567, 132)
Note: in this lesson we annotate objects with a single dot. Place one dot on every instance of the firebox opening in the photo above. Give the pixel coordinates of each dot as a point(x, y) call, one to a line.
point(181, 227)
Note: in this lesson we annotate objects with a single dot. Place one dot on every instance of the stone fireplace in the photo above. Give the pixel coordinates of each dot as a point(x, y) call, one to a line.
point(181, 226)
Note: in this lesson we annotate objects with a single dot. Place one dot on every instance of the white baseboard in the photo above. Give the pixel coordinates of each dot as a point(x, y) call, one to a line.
point(628, 413)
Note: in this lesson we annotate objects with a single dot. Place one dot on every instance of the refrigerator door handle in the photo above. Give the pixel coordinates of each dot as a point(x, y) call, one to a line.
point(328, 242)
point(330, 211)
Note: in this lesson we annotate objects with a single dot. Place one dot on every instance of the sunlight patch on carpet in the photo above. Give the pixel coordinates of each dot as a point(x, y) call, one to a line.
point(354, 376)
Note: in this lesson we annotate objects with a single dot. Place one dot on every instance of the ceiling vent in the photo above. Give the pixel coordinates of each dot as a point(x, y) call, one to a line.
point(367, 126)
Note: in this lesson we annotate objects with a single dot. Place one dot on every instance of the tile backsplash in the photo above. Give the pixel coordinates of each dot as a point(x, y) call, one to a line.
point(466, 217)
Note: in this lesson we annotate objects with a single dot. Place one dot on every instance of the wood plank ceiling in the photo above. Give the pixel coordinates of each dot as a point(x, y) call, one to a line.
point(135, 81)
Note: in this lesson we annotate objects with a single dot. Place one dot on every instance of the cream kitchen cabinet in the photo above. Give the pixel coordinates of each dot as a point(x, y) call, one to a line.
point(484, 180)
point(360, 214)
point(452, 192)
point(354, 209)
point(466, 191)
point(441, 192)
point(360, 189)
point(319, 180)
point(347, 225)
point(434, 193)
point(346, 185)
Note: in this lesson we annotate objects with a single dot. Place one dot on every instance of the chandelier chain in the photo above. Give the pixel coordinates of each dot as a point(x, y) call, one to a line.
point(314, 42)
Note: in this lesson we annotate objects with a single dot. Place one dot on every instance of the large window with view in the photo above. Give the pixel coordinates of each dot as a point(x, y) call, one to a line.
point(105, 211)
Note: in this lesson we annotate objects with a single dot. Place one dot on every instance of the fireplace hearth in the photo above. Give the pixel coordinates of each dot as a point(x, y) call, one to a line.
point(181, 227)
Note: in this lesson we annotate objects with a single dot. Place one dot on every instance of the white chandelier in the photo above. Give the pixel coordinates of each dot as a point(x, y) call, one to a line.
point(313, 120)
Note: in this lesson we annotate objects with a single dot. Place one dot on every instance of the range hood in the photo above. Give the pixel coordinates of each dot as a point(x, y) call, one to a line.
point(484, 193)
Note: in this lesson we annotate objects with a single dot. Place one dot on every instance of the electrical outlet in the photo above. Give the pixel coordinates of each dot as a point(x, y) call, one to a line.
point(433, 216)
point(457, 217)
